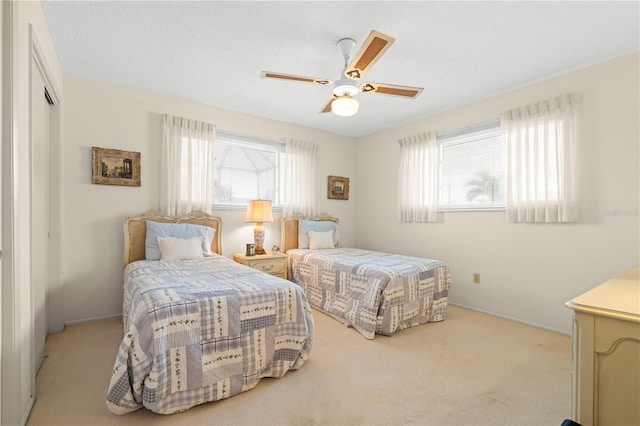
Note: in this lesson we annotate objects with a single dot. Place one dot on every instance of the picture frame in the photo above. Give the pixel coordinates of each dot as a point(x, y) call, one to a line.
point(115, 167)
point(338, 188)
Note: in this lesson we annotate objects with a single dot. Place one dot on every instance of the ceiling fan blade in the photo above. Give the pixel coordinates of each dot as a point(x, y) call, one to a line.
point(327, 107)
point(372, 49)
point(321, 81)
point(391, 89)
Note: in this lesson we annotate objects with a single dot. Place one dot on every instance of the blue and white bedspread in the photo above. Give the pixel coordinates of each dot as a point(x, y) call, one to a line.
point(202, 330)
point(371, 291)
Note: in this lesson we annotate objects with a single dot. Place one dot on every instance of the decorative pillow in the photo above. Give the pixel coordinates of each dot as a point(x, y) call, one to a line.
point(321, 240)
point(304, 226)
point(176, 230)
point(180, 248)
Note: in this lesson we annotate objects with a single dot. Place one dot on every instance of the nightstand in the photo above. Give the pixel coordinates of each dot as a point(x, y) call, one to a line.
point(271, 263)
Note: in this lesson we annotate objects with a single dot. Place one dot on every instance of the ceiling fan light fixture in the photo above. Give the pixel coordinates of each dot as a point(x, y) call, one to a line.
point(345, 106)
point(341, 101)
point(345, 87)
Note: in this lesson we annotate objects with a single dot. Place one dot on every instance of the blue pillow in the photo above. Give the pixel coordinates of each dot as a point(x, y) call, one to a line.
point(304, 226)
point(175, 230)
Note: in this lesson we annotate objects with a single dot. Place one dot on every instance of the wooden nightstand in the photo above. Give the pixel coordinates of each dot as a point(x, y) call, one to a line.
point(271, 263)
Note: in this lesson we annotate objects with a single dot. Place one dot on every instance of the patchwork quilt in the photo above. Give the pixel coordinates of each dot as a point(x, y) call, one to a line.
point(203, 330)
point(371, 291)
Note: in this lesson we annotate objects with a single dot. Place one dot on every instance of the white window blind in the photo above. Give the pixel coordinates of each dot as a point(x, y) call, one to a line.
point(247, 169)
point(472, 169)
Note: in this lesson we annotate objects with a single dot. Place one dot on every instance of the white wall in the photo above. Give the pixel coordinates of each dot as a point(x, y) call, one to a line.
point(528, 271)
point(108, 116)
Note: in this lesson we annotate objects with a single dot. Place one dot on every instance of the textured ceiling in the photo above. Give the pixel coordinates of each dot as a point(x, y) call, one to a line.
point(213, 52)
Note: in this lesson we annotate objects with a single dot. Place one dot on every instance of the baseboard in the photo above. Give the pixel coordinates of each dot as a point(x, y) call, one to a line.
point(104, 317)
point(27, 412)
point(40, 359)
point(563, 332)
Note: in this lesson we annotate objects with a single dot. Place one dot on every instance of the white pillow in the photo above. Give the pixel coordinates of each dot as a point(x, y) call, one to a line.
point(321, 240)
point(180, 248)
point(156, 230)
point(304, 226)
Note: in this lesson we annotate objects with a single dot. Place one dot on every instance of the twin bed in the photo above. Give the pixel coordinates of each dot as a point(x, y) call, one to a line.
point(373, 292)
point(200, 327)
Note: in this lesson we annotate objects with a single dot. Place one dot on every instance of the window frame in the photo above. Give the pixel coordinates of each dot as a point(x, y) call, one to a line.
point(466, 135)
point(279, 149)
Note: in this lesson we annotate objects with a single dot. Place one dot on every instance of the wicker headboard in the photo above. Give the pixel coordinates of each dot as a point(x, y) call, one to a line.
point(135, 231)
point(289, 230)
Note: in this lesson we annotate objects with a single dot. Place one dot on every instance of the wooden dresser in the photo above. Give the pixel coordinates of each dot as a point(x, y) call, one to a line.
point(606, 352)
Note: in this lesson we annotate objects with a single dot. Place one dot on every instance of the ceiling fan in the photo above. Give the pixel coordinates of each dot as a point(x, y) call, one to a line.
point(341, 101)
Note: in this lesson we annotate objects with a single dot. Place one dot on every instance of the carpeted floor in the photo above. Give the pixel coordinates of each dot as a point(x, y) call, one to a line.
point(471, 369)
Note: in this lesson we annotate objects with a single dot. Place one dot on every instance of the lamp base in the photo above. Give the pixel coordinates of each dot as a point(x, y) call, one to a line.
point(258, 237)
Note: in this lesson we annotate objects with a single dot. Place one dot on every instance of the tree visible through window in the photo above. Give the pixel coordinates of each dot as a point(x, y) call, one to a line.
point(485, 188)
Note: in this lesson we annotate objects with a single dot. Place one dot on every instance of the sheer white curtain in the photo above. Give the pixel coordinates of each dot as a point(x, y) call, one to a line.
point(540, 144)
point(418, 178)
point(299, 184)
point(188, 166)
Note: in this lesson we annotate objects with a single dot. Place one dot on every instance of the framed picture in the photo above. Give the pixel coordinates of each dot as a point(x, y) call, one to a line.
point(115, 167)
point(338, 188)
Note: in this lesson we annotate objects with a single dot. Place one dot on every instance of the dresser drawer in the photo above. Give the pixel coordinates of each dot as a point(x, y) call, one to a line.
point(273, 264)
point(270, 266)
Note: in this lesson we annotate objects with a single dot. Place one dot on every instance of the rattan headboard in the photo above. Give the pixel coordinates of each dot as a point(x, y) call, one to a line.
point(135, 231)
point(289, 230)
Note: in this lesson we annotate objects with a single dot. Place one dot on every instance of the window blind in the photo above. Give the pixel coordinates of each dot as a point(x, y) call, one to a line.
point(472, 169)
point(247, 169)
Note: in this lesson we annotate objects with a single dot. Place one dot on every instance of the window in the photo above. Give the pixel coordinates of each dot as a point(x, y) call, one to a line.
point(246, 169)
point(472, 169)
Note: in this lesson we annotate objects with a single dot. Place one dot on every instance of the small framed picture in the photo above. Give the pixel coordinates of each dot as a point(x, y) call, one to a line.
point(338, 188)
point(115, 167)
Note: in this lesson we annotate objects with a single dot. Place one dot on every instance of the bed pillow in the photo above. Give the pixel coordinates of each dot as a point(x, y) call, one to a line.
point(304, 226)
point(321, 240)
point(180, 248)
point(176, 230)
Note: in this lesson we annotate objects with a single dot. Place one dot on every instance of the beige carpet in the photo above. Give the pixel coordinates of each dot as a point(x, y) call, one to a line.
point(472, 369)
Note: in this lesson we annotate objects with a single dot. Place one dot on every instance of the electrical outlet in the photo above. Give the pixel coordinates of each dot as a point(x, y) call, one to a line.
point(476, 277)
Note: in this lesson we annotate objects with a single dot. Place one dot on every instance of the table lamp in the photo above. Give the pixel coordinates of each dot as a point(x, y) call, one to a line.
point(259, 211)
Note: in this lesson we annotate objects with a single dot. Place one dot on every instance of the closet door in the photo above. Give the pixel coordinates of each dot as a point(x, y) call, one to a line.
point(39, 152)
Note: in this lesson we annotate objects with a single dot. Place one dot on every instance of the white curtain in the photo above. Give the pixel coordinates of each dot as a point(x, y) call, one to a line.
point(299, 185)
point(418, 178)
point(540, 147)
point(188, 166)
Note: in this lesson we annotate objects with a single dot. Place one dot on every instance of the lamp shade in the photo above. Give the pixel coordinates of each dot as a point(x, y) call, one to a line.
point(259, 211)
point(345, 106)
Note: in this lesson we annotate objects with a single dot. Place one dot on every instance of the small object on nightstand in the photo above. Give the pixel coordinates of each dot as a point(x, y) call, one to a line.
point(275, 249)
point(251, 249)
point(271, 263)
